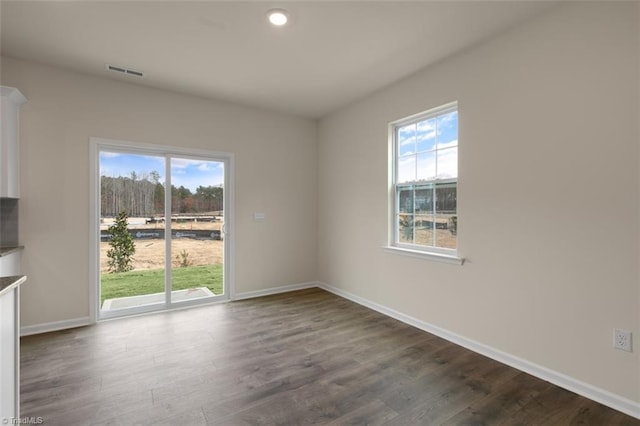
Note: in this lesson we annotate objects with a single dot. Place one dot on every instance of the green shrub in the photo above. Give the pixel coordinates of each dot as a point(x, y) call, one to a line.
point(183, 259)
point(122, 246)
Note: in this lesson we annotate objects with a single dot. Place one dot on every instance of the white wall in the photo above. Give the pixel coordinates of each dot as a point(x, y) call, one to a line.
point(548, 196)
point(275, 174)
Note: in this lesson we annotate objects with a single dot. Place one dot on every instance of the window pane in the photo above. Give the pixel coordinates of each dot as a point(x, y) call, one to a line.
point(446, 220)
point(445, 238)
point(446, 198)
point(407, 169)
point(405, 228)
point(407, 140)
point(196, 221)
point(447, 132)
point(135, 184)
point(447, 163)
point(426, 169)
point(424, 200)
point(426, 135)
point(424, 230)
point(405, 200)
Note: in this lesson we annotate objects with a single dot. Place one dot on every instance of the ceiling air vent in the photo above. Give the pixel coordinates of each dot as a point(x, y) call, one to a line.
point(125, 71)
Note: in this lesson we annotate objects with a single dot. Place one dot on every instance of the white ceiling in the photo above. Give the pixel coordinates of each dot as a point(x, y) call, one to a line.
point(331, 54)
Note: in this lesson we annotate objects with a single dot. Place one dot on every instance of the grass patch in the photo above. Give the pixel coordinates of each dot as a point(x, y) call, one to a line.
point(135, 283)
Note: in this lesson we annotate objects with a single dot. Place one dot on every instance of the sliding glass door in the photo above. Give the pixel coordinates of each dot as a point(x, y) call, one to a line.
point(197, 220)
point(132, 230)
point(161, 225)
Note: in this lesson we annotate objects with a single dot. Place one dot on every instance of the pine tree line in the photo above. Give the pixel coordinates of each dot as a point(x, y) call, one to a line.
point(142, 195)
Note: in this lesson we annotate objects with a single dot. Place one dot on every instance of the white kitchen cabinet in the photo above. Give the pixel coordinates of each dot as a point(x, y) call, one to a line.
point(12, 99)
point(10, 348)
point(10, 263)
point(10, 281)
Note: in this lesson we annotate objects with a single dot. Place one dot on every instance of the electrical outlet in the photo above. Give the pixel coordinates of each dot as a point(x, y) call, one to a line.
point(622, 339)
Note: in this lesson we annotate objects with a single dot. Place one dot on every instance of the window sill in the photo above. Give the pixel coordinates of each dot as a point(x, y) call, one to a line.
point(438, 257)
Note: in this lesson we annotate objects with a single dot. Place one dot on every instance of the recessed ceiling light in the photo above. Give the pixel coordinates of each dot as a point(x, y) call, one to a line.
point(278, 17)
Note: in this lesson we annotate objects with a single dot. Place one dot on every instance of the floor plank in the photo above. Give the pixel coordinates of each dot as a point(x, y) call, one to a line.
point(305, 357)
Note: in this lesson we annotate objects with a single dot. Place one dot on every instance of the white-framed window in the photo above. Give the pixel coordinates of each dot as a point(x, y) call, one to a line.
point(424, 182)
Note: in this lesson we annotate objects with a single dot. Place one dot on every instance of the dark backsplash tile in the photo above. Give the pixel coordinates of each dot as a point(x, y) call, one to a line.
point(8, 222)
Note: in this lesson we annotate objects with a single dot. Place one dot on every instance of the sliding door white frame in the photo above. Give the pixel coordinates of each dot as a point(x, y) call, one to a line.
point(96, 145)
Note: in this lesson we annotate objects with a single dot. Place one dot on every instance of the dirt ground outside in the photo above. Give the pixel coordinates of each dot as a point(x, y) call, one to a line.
point(444, 238)
point(150, 252)
point(424, 233)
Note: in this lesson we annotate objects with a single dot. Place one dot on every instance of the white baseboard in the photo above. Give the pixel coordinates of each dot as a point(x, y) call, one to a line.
point(28, 330)
point(602, 396)
point(275, 290)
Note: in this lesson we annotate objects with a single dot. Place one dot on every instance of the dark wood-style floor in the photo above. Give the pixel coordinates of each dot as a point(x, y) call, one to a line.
point(306, 357)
